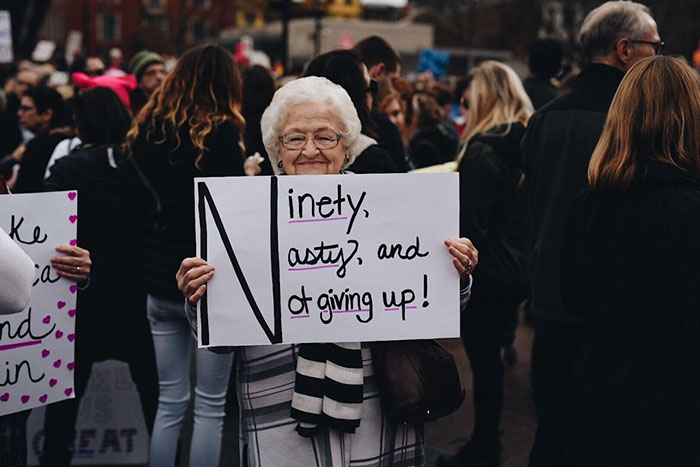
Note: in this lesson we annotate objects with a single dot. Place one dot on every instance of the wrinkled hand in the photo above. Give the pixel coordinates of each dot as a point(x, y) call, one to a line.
point(251, 166)
point(74, 264)
point(192, 278)
point(465, 255)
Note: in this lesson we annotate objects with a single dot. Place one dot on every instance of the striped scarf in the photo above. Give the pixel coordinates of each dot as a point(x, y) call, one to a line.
point(328, 388)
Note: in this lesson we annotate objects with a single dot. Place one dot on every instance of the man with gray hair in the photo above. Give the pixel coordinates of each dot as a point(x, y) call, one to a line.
point(557, 146)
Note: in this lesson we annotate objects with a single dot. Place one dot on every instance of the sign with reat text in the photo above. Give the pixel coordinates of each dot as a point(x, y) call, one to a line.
point(36, 345)
point(333, 258)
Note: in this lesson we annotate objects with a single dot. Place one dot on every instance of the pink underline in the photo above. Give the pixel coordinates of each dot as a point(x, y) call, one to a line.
point(320, 220)
point(315, 267)
point(347, 311)
point(396, 309)
point(21, 344)
point(300, 316)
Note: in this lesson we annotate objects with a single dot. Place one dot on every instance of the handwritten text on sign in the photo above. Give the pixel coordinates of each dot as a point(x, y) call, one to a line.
point(36, 345)
point(328, 258)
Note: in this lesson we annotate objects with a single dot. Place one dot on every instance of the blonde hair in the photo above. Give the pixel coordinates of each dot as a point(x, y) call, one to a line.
point(654, 117)
point(496, 97)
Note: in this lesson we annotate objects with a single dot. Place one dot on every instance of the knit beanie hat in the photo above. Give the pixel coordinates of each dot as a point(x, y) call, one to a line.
point(142, 60)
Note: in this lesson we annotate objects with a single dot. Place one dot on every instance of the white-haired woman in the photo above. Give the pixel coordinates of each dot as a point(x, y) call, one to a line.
point(311, 127)
point(493, 214)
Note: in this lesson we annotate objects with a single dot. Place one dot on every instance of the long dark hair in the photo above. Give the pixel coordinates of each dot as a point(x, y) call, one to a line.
point(101, 117)
point(258, 89)
point(343, 67)
point(202, 91)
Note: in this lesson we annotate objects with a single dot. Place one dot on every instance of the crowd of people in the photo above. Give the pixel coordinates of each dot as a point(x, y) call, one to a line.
point(578, 203)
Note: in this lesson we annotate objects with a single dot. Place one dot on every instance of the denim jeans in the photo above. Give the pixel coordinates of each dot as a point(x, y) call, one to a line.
point(172, 340)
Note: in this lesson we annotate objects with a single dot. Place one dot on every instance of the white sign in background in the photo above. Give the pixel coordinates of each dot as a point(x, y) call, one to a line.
point(36, 345)
point(334, 258)
point(6, 53)
point(110, 429)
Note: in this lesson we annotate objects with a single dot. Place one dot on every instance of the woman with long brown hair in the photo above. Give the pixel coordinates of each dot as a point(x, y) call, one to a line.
point(629, 267)
point(191, 127)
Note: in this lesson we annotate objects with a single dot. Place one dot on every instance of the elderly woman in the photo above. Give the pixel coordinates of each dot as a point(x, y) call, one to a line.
point(311, 127)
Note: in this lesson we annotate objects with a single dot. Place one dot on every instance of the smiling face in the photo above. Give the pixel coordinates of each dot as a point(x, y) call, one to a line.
point(309, 119)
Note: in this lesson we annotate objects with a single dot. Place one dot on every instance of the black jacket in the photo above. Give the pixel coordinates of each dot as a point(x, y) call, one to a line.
point(171, 171)
point(113, 305)
point(493, 204)
point(630, 269)
point(433, 145)
point(373, 160)
point(557, 147)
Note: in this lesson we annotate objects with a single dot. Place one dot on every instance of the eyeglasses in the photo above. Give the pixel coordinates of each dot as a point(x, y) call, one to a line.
point(96, 72)
point(658, 46)
point(26, 108)
point(322, 140)
point(464, 102)
point(372, 87)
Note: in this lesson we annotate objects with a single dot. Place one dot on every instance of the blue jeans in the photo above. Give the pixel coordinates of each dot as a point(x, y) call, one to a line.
point(172, 340)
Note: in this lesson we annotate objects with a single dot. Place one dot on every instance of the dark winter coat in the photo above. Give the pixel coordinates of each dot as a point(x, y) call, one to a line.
point(557, 147)
point(493, 204)
point(171, 171)
point(630, 270)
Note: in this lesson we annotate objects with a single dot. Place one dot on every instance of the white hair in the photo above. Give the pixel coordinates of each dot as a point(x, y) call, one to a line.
point(311, 90)
point(604, 26)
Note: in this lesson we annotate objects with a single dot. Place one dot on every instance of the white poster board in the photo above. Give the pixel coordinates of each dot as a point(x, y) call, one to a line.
point(36, 345)
point(333, 258)
point(109, 430)
point(6, 53)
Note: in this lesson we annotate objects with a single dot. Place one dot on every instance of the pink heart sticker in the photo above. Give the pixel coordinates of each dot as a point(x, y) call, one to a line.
point(68, 391)
point(73, 218)
point(57, 363)
point(60, 304)
point(73, 242)
point(43, 398)
point(45, 353)
point(71, 312)
point(5, 397)
point(73, 288)
point(52, 382)
point(71, 337)
point(47, 318)
point(71, 195)
point(59, 334)
point(25, 399)
point(70, 366)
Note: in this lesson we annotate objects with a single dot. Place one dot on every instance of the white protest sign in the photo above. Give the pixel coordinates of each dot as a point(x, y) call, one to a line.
point(6, 54)
point(109, 430)
point(333, 258)
point(36, 345)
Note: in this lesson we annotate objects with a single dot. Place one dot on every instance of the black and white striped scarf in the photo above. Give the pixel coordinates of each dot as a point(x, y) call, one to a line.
point(328, 387)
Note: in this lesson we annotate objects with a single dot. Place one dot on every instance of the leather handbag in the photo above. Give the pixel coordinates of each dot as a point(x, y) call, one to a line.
point(418, 380)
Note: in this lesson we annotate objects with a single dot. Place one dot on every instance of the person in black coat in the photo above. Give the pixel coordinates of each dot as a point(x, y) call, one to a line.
point(191, 127)
point(557, 148)
point(629, 269)
point(343, 67)
point(492, 200)
point(111, 321)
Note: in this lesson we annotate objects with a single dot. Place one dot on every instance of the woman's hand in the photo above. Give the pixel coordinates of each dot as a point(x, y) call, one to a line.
point(75, 264)
point(251, 166)
point(465, 255)
point(192, 278)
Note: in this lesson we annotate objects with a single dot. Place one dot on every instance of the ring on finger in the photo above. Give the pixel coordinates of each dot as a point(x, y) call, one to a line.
point(77, 269)
point(468, 267)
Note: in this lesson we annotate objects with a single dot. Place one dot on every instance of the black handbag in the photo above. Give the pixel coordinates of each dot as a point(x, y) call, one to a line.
point(418, 380)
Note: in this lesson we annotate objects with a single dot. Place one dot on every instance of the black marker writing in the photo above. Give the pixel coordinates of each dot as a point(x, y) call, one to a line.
point(14, 232)
point(12, 377)
point(23, 330)
point(328, 255)
point(397, 250)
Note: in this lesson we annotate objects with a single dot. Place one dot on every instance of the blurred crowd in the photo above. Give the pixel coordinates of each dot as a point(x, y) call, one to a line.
point(593, 236)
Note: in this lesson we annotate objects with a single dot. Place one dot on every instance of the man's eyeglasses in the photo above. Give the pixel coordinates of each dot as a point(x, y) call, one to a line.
point(372, 87)
point(322, 140)
point(26, 108)
point(658, 46)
